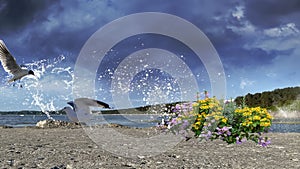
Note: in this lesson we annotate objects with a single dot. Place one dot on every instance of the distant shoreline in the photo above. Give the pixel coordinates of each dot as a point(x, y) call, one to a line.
point(139, 110)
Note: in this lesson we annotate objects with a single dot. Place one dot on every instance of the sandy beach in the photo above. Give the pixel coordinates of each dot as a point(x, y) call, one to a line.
point(71, 147)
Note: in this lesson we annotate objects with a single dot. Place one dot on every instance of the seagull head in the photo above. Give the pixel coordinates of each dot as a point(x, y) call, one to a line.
point(30, 72)
point(71, 103)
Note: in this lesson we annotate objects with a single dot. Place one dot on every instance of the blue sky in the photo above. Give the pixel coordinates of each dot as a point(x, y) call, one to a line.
point(258, 43)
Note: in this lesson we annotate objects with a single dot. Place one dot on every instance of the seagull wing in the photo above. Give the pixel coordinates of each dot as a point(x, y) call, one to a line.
point(82, 107)
point(90, 102)
point(71, 114)
point(8, 61)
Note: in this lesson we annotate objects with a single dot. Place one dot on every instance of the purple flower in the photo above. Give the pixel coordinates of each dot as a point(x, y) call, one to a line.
point(238, 141)
point(185, 123)
point(224, 130)
point(191, 106)
point(264, 142)
point(177, 108)
point(206, 135)
point(173, 121)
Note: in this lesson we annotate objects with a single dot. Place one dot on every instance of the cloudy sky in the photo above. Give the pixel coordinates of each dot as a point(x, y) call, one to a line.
point(258, 43)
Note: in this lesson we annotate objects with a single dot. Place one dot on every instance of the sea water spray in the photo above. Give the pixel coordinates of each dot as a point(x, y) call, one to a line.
point(51, 86)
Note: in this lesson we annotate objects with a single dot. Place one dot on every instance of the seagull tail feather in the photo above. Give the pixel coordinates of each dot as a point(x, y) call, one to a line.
point(11, 80)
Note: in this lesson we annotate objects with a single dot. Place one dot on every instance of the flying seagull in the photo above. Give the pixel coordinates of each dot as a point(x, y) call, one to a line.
point(81, 108)
point(10, 65)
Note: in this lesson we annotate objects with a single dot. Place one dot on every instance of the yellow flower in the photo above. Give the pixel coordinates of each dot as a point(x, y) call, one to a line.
point(198, 123)
point(265, 124)
point(202, 101)
point(263, 120)
point(202, 107)
point(195, 104)
point(249, 123)
point(195, 126)
point(256, 117)
point(203, 114)
point(211, 105)
point(269, 116)
point(224, 120)
point(257, 109)
point(247, 113)
point(217, 117)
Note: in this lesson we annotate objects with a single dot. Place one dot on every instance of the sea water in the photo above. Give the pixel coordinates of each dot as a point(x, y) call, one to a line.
point(132, 120)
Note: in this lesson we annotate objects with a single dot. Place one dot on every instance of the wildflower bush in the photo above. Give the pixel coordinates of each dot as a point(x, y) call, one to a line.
point(209, 119)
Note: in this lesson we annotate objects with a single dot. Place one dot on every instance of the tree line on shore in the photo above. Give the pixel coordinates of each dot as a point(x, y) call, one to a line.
point(272, 100)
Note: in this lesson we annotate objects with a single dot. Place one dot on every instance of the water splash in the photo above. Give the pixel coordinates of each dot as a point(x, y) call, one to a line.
point(52, 84)
point(154, 86)
point(150, 77)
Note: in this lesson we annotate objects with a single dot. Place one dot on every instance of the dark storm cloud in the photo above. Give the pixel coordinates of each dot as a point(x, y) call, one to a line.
point(210, 17)
point(271, 13)
point(200, 13)
point(15, 14)
point(251, 53)
point(50, 28)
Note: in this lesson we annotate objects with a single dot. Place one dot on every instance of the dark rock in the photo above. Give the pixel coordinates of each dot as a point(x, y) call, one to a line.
point(117, 125)
point(5, 127)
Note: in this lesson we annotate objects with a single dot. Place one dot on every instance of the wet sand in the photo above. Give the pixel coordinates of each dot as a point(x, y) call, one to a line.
point(71, 147)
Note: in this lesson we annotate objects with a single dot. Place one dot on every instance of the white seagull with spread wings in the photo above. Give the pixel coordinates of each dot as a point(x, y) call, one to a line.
point(10, 65)
point(81, 108)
